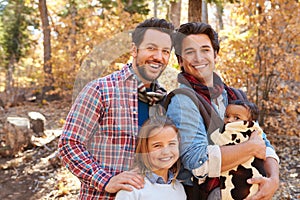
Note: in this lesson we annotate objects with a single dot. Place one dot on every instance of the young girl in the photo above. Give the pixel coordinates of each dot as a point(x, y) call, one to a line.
point(157, 154)
point(240, 121)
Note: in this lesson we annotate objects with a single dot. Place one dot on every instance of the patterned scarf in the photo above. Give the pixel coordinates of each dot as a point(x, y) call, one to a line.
point(207, 93)
point(153, 96)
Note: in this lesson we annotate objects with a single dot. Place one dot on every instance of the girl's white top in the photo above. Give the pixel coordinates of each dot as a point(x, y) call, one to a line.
point(154, 191)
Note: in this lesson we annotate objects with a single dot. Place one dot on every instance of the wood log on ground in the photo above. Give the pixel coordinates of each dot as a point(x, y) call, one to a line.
point(37, 123)
point(50, 135)
point(17, 135)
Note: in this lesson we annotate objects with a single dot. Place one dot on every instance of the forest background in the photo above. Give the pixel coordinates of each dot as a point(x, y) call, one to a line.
point(50, 49)
point(46, 47)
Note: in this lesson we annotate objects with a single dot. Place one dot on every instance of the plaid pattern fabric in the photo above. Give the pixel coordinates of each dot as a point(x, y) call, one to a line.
point(99, 137)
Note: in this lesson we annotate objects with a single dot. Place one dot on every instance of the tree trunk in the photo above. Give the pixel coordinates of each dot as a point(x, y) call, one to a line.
point(204, 14)
point(155, 8)
point(195, 10)
point(72, 46)
point(9, 76)
point(220, 15)
point(49, 80)
point(259, 60)
point(175, 12)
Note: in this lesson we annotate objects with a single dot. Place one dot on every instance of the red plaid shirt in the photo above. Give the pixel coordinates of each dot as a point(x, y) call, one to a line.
point(99, 137)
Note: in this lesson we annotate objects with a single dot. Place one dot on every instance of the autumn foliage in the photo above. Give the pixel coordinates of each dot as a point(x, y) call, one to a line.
point(260, 53)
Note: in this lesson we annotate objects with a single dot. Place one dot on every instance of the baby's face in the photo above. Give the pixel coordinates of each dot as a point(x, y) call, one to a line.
point(235, 113)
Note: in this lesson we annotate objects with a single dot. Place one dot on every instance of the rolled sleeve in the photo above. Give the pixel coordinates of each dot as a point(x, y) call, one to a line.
point(210, 168)
point(100, 179)
point(270, 152)
point(214, 161)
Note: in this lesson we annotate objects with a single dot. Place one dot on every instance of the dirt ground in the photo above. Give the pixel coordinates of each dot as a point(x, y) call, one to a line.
point(36, 173)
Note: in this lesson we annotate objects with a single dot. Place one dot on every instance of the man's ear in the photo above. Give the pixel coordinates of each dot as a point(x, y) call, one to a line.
point(179, 60)
point(133, 50)
point(216, 57)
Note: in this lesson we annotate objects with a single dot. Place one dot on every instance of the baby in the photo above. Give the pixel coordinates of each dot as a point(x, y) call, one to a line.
point(239, 122)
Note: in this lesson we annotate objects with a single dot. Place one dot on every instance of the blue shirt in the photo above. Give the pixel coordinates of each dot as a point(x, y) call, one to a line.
point(193, 144)
point(154, 178)
point(143, 109)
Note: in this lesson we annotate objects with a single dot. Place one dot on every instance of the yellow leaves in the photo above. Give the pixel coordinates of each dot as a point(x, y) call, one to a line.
point(67, 183)
point(261, 53)
point(62, 189)
point(290, 110)
point(283, 88)
point(44, 102)
point(27, 2)
point(62, 121)
point(283, 119)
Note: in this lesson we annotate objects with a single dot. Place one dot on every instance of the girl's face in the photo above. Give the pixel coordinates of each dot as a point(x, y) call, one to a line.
point(163, 148)
point(235, 113)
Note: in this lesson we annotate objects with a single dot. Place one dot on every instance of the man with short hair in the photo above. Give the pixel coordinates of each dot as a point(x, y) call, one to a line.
point(196, 48)
point(98, 140)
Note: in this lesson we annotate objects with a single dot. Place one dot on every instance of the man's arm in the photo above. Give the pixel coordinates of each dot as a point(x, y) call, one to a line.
point(233, 155)
point(81, 122)
point(199, 157)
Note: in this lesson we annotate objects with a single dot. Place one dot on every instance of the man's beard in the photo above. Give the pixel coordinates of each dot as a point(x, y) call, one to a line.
point(143, 73)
